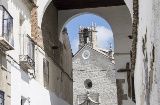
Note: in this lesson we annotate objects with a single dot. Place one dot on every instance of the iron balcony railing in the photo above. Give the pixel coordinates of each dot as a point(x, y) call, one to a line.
point(27, 46)
point(6, 29)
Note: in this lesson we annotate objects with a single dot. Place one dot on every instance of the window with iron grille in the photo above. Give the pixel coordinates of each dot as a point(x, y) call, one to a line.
point(27, 46)
point(7, 25)
point(46, 72)
point(1, 97)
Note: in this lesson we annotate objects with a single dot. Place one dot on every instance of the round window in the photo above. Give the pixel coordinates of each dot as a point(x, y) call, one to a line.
point(88, 83)
point(85, 54)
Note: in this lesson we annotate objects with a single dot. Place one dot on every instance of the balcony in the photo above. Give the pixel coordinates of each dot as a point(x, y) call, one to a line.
point(27, 52)
point(6, 30)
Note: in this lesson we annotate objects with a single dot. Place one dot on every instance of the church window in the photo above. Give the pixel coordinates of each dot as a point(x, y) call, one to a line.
point(88, 83)
point(85, 54)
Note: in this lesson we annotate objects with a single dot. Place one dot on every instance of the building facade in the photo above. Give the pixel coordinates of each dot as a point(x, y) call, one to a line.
point(94, 80)
point(44, 21)
point(30, 75)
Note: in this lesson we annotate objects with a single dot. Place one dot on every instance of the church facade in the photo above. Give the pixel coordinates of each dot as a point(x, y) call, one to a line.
point(94, 80)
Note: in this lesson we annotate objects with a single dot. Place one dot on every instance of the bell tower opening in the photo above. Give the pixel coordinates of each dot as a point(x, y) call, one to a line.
point(87, 35)
point(91, 30)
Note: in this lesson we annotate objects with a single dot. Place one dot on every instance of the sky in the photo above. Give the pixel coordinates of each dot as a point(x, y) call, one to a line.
point(104, 34)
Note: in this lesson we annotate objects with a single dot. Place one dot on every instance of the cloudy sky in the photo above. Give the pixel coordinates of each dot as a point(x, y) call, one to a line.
point(104, 34)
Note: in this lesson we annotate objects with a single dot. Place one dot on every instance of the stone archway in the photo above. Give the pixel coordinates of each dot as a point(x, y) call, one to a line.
point(119, 18)
point(120, 21)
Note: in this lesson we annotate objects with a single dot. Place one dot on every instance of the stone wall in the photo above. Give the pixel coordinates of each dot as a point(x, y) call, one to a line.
point(97, 69)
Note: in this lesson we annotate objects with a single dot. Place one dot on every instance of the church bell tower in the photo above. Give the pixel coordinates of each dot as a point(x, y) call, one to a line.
point(88, 36)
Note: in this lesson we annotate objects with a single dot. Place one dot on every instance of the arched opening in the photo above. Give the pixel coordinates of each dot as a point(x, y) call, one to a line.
point(120, 20)
point(89, 20)
point(93, 62)
point(118, 17)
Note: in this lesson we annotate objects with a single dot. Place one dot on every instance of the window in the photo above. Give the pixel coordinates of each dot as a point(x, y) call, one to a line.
point(46, 72)
point(30, 48)
point(7, 25)
point(88, 83)
point(27, 46)
point(1, 98)
point(133, 90)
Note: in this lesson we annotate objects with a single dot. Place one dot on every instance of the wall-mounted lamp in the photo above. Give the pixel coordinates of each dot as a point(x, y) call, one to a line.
point(130, 37)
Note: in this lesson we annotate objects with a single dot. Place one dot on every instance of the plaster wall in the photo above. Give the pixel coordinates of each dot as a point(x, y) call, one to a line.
point(5, 80)
point(15, 8)
point(42, 4)
point(129, 4)
point(156, 38)
point(59, 58)
point(59, 82)
point(43, 96)
point(23, 87)
point(20, 80)
point(147, 60)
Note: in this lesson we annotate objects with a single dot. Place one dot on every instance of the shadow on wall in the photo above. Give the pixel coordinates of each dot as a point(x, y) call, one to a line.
point(48, 40)
point(48, 34)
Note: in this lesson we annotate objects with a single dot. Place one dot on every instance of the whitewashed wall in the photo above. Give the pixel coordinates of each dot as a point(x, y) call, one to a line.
point(22, 86)
point(147, 71)
point(15, 7)
point(26, 88)
point(42, 6)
